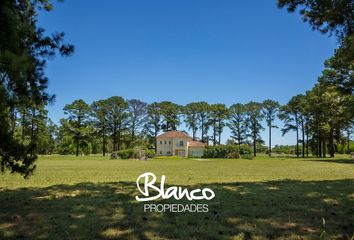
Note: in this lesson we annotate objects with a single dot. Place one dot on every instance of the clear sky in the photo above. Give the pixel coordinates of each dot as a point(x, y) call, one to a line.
point(183, 51)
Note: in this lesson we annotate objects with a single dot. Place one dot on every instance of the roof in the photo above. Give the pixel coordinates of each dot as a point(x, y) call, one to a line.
point(196, 144)
point(174, 134)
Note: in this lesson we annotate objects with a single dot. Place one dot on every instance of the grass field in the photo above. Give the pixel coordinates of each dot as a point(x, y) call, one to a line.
point(92, 197)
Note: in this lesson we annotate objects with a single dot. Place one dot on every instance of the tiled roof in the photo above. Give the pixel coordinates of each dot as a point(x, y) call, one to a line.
point(196, 144)
point(174, 134)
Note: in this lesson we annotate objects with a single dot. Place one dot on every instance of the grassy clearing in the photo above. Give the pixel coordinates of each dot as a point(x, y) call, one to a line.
point(93, 198)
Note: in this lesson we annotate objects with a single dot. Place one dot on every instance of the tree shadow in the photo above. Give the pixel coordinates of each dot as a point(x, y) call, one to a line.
point(344, 161)
point(252, 210)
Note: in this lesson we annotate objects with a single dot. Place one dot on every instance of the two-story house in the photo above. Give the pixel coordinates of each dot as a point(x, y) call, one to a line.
point(178, 143)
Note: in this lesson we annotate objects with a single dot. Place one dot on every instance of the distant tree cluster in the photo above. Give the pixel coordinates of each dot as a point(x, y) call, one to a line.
point(322, 119)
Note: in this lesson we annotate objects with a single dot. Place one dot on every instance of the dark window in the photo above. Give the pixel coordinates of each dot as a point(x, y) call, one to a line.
point(161, 152)
point(165, 142)
point(160, 142)
point(169, 142)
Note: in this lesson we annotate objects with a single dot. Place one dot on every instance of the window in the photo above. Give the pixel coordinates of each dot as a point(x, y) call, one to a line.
point(160, 152)
point(179, 144)
point(160, 142)
point(165, 142)
point(168, 153)
point(169, 142)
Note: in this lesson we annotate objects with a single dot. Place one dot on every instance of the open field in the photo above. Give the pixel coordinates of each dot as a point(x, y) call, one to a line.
point(94, 198)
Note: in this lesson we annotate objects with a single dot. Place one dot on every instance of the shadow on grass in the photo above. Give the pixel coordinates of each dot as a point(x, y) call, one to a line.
point(270, 210)
point(345, 161)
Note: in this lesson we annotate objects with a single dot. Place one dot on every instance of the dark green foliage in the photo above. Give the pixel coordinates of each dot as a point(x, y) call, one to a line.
point(150, 153)
point(171, 115)
point(237, 123)
point(247, 156)
point(190, 111)
point(126, 154)
point(218, 115)
point(78, 122)
point(254, 117)
point(334, 16)
point(226, 151)
point(24, 50)
point(136, 153)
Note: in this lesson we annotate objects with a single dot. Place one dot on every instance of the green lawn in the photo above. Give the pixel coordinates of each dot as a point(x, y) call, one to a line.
point(94, 198)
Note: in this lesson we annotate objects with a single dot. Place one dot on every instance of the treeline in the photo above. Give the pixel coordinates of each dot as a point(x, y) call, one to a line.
point(322, 119)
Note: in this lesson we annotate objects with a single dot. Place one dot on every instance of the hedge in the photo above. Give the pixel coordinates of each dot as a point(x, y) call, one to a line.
point(133, 153)
point(227, 151)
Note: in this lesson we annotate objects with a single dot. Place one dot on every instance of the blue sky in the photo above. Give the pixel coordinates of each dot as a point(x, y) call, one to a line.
point(183, 51)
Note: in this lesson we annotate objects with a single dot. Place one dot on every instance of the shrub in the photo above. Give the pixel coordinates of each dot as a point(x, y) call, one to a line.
point(245, 149)
point(136, 153)
point(227, 151)
point(222, 151)
point(126, 154)
point(247, 156)
point(233, 155)
point(150, 153)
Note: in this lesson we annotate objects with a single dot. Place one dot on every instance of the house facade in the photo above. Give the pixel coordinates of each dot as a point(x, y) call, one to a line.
point(178, 143)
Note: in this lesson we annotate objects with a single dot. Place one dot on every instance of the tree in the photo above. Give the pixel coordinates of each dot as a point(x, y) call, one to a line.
point(349, 130)
point(78, 117)
point(117, 119)
point(332, 112)
point(254, 117)
point(290, 114)
point(270, 111)
point(137, 116)
point(190, 112)
point(24, 50)
point(170, 113)
point(218, 115)
point(203, 114)
point(99, 112)
point(153, 124)
point(334, 16)
point(237, 123)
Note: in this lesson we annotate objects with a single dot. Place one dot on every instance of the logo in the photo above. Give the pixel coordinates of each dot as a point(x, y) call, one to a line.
point(146, 184)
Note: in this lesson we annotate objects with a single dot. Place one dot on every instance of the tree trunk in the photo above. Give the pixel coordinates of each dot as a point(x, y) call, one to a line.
point(214, 135)
point(303, 138)
point(324, 147)
point(270, 141)
point(348, 146)
point(77, 145)
point(202, 126)
point(32, 132)
point(307, 142)
point(331, 143)
point(132, 138)
point(254, 145)
point(155, 141)
point(104, 144)
point(319, 139)
point(239, 135)
point(118, 140)
point(297, 140)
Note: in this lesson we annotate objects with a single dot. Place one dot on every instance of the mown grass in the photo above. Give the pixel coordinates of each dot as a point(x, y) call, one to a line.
point(92, 197)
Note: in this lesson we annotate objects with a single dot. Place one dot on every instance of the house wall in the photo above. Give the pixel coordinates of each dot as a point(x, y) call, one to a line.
point(164, 147)
point(178, 147)
point(195, 151)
